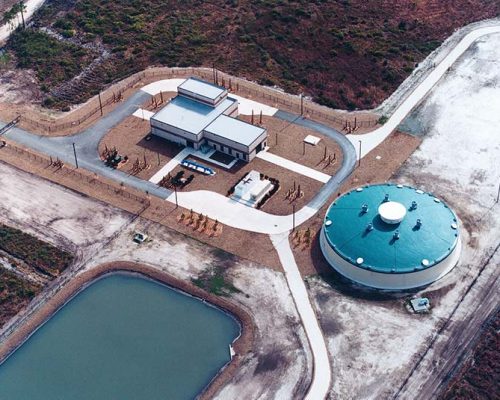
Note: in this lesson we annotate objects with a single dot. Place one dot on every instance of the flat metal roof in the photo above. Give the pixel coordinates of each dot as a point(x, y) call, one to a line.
point(417, 247)
point(190, 115)
point(202, 88)
point(235, 130)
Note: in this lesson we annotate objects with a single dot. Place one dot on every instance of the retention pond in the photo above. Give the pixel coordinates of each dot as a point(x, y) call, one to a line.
point(123, 337)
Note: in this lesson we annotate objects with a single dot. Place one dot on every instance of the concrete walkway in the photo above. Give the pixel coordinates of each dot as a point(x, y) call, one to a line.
point(145, 115)
point(237, 215)
point(371, 140)
point(170, 166)
point(322, 371)
point(293, 166)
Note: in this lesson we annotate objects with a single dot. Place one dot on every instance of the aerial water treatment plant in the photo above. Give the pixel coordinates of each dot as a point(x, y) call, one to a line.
point(391, 237)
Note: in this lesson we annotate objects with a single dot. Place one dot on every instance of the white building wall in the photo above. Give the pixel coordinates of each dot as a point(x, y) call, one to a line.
point(389, 281)
point(232, 111)
point(174, 131)
point(201, 98)
point(168, 136)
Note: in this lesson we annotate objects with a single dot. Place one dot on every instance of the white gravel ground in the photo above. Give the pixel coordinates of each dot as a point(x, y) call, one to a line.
point(281, 361)
point(55, 214)
point(375, 343)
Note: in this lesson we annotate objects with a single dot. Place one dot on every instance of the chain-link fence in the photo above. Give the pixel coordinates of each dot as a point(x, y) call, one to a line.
point(296, 104)
point(75, 174)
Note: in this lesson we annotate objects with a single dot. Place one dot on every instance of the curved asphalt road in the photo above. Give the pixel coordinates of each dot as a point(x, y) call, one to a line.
point(349, 156)
point(87, 142)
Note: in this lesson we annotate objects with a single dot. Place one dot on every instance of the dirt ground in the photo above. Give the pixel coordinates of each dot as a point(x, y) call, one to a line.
point(289, 144)
point(17, 85)
point(63, 218)
point(223, 180)
point(372, 170)
point(280, 358)
point(129, 138)
point(231, 239)
point(6, 4)
point(479, 378)
point(370, 333)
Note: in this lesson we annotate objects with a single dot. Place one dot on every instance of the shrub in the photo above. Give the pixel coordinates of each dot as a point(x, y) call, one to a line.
point(382, 120)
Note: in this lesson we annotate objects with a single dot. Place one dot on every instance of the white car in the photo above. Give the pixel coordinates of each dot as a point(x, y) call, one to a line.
point(140, 237)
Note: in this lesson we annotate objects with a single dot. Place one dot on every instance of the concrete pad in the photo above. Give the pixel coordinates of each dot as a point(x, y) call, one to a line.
point(293, 166)
point(246, 106)
point(165, 85)
point(143, 114)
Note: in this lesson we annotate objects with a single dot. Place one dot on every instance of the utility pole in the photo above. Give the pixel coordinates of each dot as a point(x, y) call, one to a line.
point(301, 104)
point(359, 161)
point(293, 216)
point(175, 191)
point(100, 103)
point(498, 195)
point(74, 152)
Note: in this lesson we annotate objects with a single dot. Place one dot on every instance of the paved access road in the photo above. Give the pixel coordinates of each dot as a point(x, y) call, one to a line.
point(373, 139)
point(322, 370)
point(88, 140)
point(209, 203)
point(86, 144)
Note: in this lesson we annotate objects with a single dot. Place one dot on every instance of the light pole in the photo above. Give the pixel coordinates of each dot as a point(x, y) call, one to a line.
point(74, 152)
point(359, 161)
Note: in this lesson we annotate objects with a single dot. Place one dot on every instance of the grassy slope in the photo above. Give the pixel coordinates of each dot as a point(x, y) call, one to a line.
point(346, 54)
point(39, 255)
point(54, 61)
point(15, 294)
point(479, 378)
point(15, 291)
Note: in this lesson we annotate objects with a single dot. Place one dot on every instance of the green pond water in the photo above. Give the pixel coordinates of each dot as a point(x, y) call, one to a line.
point(123, 338)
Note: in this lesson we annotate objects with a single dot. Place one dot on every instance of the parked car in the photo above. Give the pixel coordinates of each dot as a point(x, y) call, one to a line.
point(140, 237)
